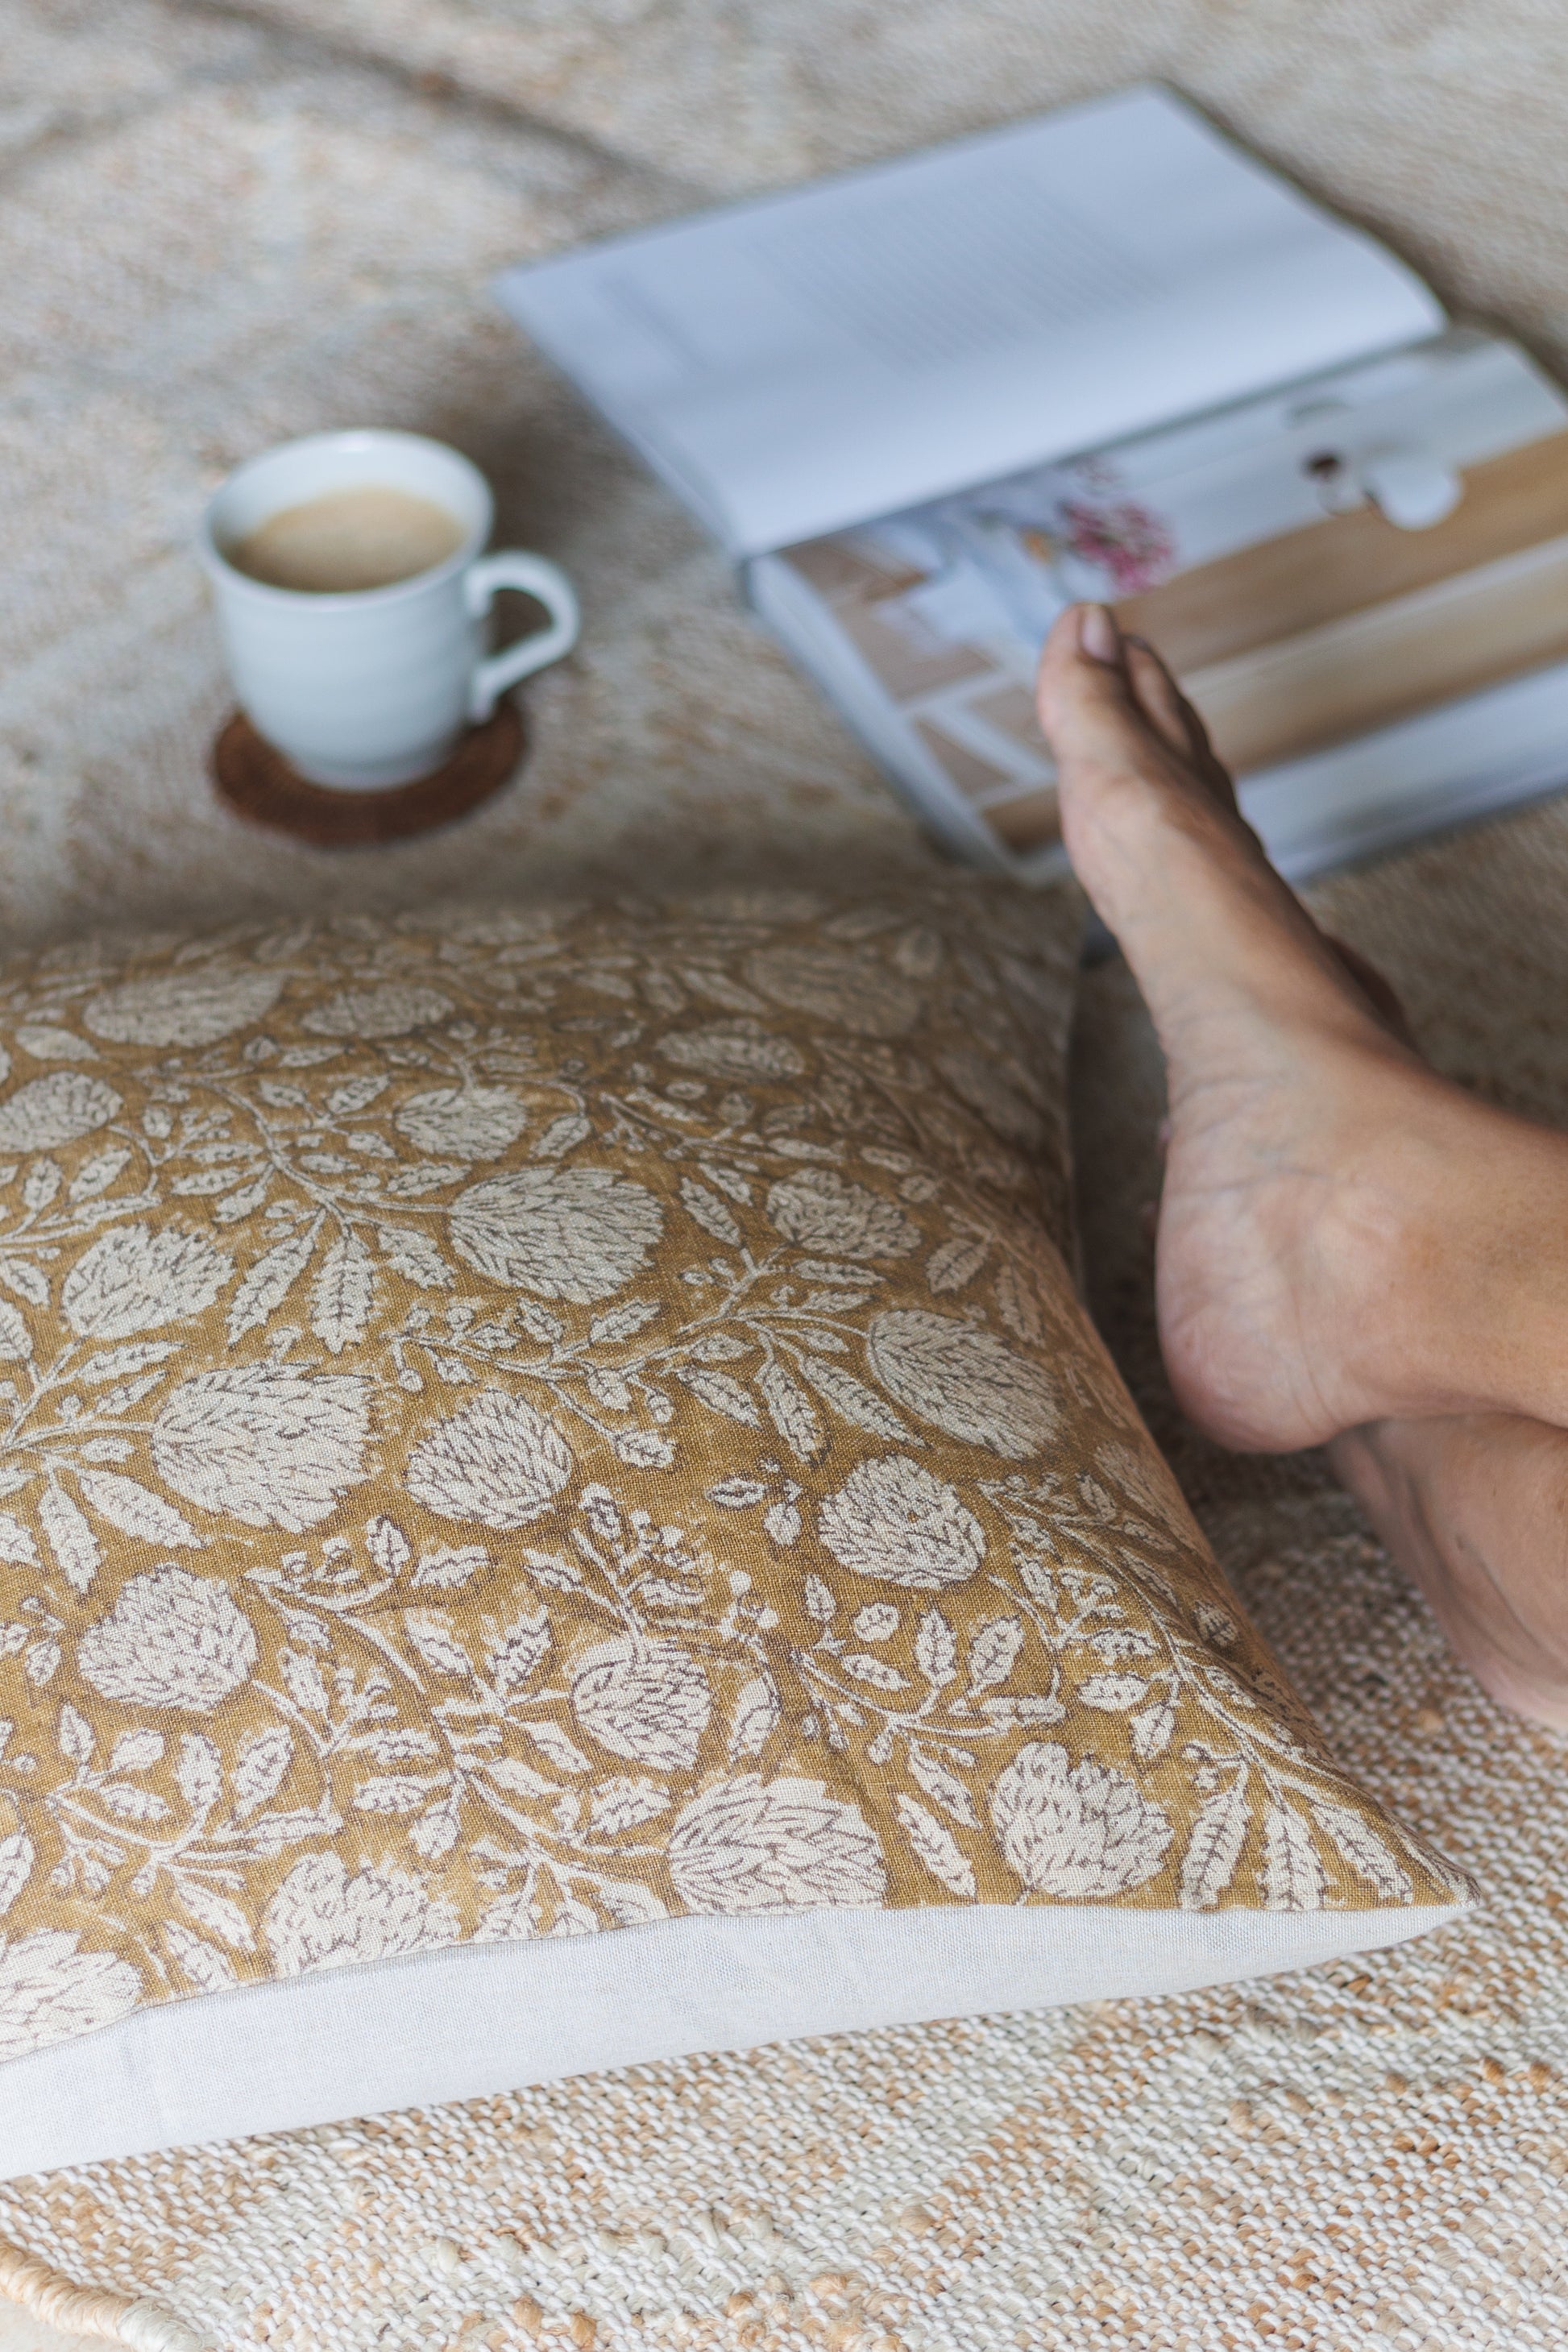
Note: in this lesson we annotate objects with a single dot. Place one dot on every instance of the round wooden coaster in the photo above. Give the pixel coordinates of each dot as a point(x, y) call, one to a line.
point(259, 785)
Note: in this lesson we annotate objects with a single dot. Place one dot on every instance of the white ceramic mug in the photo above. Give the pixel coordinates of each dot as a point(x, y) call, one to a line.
point(373, 687)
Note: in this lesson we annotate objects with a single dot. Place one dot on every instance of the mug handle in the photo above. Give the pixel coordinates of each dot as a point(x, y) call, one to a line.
point(510, 568)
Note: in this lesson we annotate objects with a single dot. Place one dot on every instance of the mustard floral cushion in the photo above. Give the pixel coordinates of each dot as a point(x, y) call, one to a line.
point(523, 1423)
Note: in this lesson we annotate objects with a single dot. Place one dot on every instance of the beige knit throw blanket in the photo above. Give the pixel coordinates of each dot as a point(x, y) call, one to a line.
point(223, 224)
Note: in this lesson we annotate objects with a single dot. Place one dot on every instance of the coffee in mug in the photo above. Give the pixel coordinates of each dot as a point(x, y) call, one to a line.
point(353, 595)
point(349, 539)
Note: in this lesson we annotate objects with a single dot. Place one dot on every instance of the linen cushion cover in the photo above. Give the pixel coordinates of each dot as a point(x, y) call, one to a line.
point(557, 1505)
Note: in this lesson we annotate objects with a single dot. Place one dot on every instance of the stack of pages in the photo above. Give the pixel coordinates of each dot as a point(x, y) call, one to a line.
point(1105, 354)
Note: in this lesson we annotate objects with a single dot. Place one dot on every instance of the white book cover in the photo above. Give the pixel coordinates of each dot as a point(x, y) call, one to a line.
point(808, 360)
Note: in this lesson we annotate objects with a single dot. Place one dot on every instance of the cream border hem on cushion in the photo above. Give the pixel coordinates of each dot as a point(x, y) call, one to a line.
point(483, 2018)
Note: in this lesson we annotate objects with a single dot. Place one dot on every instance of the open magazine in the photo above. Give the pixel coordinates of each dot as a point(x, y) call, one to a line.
point(1104, 354)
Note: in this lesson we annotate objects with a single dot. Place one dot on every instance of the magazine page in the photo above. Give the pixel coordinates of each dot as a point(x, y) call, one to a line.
point(805, 361)
point(1249, 546)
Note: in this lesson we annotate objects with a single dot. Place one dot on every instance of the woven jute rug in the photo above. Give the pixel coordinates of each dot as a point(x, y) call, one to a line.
point(223, 224)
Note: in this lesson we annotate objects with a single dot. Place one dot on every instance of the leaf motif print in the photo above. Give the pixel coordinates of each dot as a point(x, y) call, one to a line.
point(343, 1295)
point(323, 1917)
point(51, 1991)
point(261, 1769)
point(137, 1512)
point(962, 1378)
point(1113, 1694)
point(391, 1009)
point(16, 1544)
point(563, 1752)
point(463, 1122)
point(302, 1677)
point(498, 1461)
point(204, 1966)
point(199, 1771)
point(621, 1322)
point(137, 1751)
point(626, 1805)
point(415, 1257)
point(937, 1847)
point(273, 1447)
point(447, 1566)
point(720, 988)
point(17, 1855)
point(977, 1081)
point(387, 1545)
point(735, 1049)
point(515, 1656)
point(1152, 1729)
point(894, 1520)
point(878, 1622)
point(60, 1108)
point(433, 1635)
point(435, 1832)
point(1293, 1876)
point(1214, 1846)
point(562, 1135)
point(955, 1263)
point(821, 1211)
point(1365, 1851)
point(75, 1736)
point(171, 1640)
point(1076, 1832)
point(722, 1394)
point(98, 1173)
point(123, 1363)
point(853, 992)
point(392, 1793)
point(821, 1601)
point(728, 1180)
point(746, 1846)
point(737, 1493)
point(133, 1279)
point(521, 1779)
point(755, 1717)
point(45, 1043)
point(857, 1403)
point(71, 1540)
point(192, 1007)
point(357, 1094)
point(709, 1212)
point(15, 1339)
point(236, 1206)
point(26, 1280)
point(269, 1281)
point(936, 1649)
point(792, 1412)
point(875, 1672)
point(577, 1234)
point(946, 1787)
point(43, 1180)
point(648, 1702)
point(994, 1651)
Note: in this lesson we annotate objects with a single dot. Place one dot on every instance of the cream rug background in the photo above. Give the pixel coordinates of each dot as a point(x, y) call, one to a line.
point(220, 224)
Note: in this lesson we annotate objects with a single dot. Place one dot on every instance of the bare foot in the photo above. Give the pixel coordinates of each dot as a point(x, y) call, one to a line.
point(1349, 1248)
point(1475, 1509)
point(1331, 1207)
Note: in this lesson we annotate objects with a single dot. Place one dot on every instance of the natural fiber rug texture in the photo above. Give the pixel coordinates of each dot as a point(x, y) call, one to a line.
point(223, 224)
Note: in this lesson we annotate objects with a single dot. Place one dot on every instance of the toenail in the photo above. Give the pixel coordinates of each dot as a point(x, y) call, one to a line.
point(1098, 635)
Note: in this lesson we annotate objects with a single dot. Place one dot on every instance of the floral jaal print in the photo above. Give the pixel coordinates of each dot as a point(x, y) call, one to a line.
point(523, 1422)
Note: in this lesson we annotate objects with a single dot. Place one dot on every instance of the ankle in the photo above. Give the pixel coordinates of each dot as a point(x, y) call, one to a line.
point(1461, 1307)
